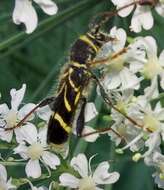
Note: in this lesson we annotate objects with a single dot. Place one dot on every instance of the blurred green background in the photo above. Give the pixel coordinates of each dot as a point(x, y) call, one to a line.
point(36, 60)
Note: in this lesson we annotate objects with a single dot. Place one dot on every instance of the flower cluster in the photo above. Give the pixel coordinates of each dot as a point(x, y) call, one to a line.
point(137, 111)
point(87, 179)
point(142, 16)
point(31, 146)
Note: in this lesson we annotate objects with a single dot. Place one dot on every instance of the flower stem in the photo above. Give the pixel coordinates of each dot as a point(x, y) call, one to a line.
point(12, 163)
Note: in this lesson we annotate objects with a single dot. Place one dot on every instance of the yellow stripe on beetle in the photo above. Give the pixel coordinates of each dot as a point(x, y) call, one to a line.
point(62, 123)
point(71, 81)
point(89, 42)
point(77, 98)
point(67, 105)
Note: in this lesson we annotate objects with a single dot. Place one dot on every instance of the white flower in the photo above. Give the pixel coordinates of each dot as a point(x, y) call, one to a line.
point(35, 151)
point(24, 12)
point(122, 79)
point(90, 111)
point(142, 16)
point(156, 159)
point(88, 180)
point(150, 118)
point(152, 143)
point(91, 134)
point(9, 117)
point(158, 180)
point(119, 35)
point(150, 123)
point(115, 45)
point(126, 130)
point(122, 66)
point(4, 183)
point(44, 113)
point(125, 12)
point(153, 121)
point(154, 66)
point(160, 8)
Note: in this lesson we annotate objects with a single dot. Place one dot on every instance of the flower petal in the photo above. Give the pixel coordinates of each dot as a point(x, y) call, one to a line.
point(10, 185)
point(161, 58)
point(158, 180)
point(25, 110)
point(142, 17)
point(101, 175)
point(90, 111)
point(90, 138)
point(128, 79)
point(42, 135)
point(160, 9)
point(26, 133)
point(135, 23)
point(17, 97)
point(68, 180)
point(44, 113)
point(162, 81)
point(25, 13)
point(80, 164)
point(120, 36)
point(125, 12)
point(3, 173)
point(152, 90)
point(22, 150)
point(6, 135)
point(33, 168)
point(48, 6)
point(112, 81)
point(146, 17)
point(152, 143)
point(51, 159)
point(151, 45)
point(136, 55)
point(3, 109)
